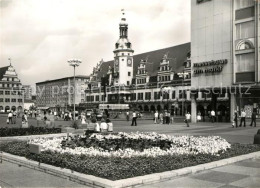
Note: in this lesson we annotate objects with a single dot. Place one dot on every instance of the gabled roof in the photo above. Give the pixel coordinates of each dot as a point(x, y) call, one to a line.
point(2, 71)
point(154, 58)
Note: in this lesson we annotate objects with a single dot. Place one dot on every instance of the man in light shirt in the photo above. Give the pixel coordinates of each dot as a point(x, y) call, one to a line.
point(213, 114)
point(187, 119)
point(134, 119)
point(156, 115)
point(243, 118)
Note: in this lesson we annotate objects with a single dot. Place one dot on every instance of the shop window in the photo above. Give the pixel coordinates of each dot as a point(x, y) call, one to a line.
point(245, 77)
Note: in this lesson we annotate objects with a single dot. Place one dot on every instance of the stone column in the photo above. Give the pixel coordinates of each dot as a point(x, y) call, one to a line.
point(193, 109)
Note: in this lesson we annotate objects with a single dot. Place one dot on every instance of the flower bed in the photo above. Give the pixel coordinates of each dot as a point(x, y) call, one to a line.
point(120, 163)
point(4, 132)
point(126, 145)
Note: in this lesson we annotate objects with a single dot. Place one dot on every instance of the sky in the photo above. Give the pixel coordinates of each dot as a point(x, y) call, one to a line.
point(40, 36)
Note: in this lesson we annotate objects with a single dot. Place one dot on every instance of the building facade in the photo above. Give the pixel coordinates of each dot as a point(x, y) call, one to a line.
point(27, 92)
point(225, 57)
point(11, 92)
point(157, 80)
point(58, 95)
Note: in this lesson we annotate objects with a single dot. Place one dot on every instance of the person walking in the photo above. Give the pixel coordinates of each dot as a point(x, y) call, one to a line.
point(253, 118)
point(235, 119)
point(161, 118)
point(14, 117)
point(187, 119)
point(243, 118)
point(134, 119)
point(127, 116)
point(10, 117)
point(156, 115)
point(212, 114)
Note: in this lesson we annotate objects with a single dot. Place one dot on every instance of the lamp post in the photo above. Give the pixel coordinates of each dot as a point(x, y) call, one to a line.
point(74, 63)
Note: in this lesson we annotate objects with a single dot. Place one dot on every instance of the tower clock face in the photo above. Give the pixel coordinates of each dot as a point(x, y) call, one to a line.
point(129, 62)
point(116, 65)
point(116, 62)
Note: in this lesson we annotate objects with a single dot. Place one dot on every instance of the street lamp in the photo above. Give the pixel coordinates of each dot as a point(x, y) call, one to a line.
point(182, 75)
point(74, 63)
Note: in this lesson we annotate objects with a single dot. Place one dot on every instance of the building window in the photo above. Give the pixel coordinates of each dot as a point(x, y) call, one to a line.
point(1, 92)
point(7, 92)
point(182, 94)
point(140, 96)
point(13, 100)
point(147, 95)
point(245, 13)
point(128, 83)
point(97, 98)
point(166, 95)
point(129, 73)
point(20, 100)
point(245, 30)
point(133, 96)
point(245, 62)
point(7, 100)
point(173, 94)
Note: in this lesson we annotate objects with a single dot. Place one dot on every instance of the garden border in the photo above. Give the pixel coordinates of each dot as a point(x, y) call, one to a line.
point(105, 183)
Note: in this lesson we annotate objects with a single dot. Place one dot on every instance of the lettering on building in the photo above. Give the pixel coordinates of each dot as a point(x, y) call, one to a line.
point(209, 67)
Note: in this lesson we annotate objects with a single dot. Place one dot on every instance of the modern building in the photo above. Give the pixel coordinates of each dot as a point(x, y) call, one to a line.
point(28, 90)
point(11, 92)
point(225, 57)
point(58, 94)
point(151, 81)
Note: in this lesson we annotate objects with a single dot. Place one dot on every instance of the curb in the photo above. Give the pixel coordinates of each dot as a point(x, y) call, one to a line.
point(97, 182)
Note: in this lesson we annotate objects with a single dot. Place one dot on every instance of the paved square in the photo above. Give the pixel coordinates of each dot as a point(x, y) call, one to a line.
point(219, 177)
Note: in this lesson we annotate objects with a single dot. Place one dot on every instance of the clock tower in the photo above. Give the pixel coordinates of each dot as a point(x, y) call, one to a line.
point(123, 56)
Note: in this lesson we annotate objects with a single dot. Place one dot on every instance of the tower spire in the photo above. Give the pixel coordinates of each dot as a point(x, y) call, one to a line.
point(10, 61)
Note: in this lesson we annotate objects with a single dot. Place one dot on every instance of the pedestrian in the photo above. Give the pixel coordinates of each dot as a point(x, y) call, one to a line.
point(235, 120)
point(103, 126)
point(110, 125)
point(156, 115)
point(10, 117)
point(168, 116)
point(161, 118)
point(212, 114)
point(243, 118)
point(253, 118)
point(25, 121)
point(127, 115)
point(199, 117)
point(187, 118)
point(134, 119)
point(14, 117)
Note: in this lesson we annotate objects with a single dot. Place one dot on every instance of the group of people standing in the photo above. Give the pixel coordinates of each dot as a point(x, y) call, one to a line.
point(94, 127)
point(243, 119)
point(12, 116)
point(163, 117)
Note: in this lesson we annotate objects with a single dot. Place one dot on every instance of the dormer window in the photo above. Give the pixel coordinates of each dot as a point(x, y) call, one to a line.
point(117, 45)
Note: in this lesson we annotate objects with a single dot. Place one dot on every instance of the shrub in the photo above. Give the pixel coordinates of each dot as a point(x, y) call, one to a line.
point(115, 168)
point(28, 131)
